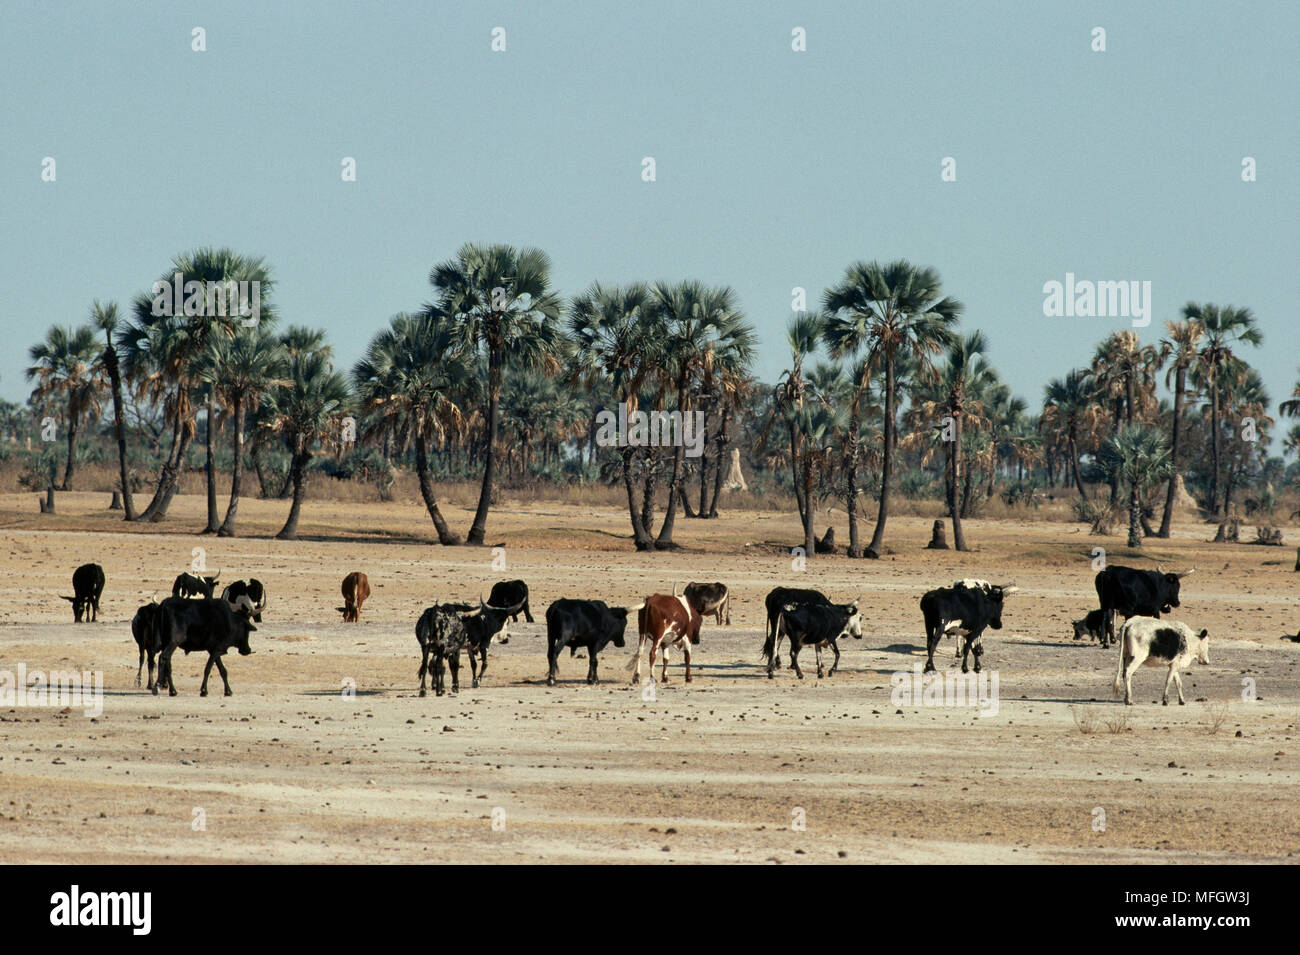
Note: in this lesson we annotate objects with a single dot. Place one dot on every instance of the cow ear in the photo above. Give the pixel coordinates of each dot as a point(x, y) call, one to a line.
point(1204, 634)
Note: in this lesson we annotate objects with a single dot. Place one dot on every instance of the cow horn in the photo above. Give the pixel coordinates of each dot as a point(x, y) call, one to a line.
point(1160, 569)
point(1010, 589)
point(1185, 573)
point(636, 608)
point(65, 597)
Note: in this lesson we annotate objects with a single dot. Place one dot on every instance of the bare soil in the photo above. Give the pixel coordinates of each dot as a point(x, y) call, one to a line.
point(326, 754)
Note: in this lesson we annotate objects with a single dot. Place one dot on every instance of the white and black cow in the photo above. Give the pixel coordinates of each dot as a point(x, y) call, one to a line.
point(815, 625)
point(965, 612)
point(1154, 642)
point(205, 625)
point(582, 623)
point(246, 597)
point(193, 585)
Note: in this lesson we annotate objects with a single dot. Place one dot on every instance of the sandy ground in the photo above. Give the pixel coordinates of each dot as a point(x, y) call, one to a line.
point(296, 767)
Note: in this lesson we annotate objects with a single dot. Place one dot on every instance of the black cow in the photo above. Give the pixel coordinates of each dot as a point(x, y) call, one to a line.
point(582, 623)
point(965, 612)
point(205, 625)
point(812, 624)
point(190, 585)
point(780, 596)
point(512, 594)
point(247, 597)
point(87, 585)
point(1092, 625)
point(1135, 593)
point(146, 627)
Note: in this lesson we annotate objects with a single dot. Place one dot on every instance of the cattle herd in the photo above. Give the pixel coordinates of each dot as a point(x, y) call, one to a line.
point(192, 620)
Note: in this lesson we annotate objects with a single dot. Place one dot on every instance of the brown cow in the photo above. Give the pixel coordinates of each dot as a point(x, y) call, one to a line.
point(356, 588)
point(665, 621)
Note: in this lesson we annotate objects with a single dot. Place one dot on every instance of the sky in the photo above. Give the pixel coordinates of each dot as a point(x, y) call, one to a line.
point(774, 168)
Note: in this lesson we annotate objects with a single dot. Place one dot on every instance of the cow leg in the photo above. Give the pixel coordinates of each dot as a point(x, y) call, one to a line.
point(1178, 682)
point(817, 655)
point(663, 666)
point(473, 668)
point(424, 667)
point(1130, 664)
point(453, 661)
point(978, 647)
point(439, 675)
point(528, 614)
point(225, 680)
point(482, 663)
point(795, 647)
point(1175, 679)
point(140, 667)
point(552, 663)
point(686, 652)
point(153, 684)
point(636, 676)
point(836, 665)
point(592, 678)
point(165, 666)
point(203, 690)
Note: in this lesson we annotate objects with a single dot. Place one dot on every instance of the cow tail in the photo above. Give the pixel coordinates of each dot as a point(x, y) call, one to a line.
point(769, 646)
point(1119, 675)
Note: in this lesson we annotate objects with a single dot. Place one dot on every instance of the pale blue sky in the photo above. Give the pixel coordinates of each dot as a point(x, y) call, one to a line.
point(775, 168)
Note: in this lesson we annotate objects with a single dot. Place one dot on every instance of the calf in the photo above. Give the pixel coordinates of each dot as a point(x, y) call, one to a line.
point(665, 621)
point(191, 585)
point(146, 627)
point(965, 612)
point(205, 625)
point(710, 598)
point(246, 596)
point(1153, 642)
point(816, 625)
point(1135, 593)
point(582, 623)
point(356, 588)
point(1092, 625)
point(87, 586)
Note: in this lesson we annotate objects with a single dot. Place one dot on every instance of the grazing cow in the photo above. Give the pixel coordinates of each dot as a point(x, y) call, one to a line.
point(146, 627)
point(1092, 625)
point(816, 625)
point(1135, 593)
point(356, 588)
point(87, 586)
point(1153, 642)
point(665, 621)
point(512, 594)
point(444, 641)
point(582, 623)
point(205, 625)
point(780, 596)
point(192, 585)
point(964, 612)
point(246, 596)
point(710, 599)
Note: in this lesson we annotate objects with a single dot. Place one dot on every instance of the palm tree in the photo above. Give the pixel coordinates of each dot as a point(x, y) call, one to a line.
point(1140, 455)
point(304, 410)
point(957, 393)
point(66, 371)
point(241, 370)
point(878, 313)
point(723, 373)
point(788, 397)
point(1123, 374)
point(105, 318)
point(1243, 397)
point(696, 318)
point(1225, 327)
point(408, 380)
point(499, 297)
point(1180, 348)
point(163, 354)
point(620, 339)
point(1070, 414)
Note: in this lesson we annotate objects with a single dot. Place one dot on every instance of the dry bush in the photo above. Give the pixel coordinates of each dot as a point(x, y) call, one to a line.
point(1216, 713)
point(1085, 719)
point(1118, 723)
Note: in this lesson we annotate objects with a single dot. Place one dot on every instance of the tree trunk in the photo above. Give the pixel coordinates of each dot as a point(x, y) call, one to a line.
point(958, 536)
point(809, 535)
point(119, 425)
point(1074, 464)
point(211, 469)
point(877, 546)
point(71, 465)
point(445, 536)
point(640, 536)
point(496, 375)
point(665, 539)
point(724, 445)
point(182, 436)
point(851, 477)
point(298, 475)
point(651, 485)
point(1180, 386)
point(795, 482)
point(1214, 445)
point(1134, 515)
point(703, 512)
point(236, 473)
